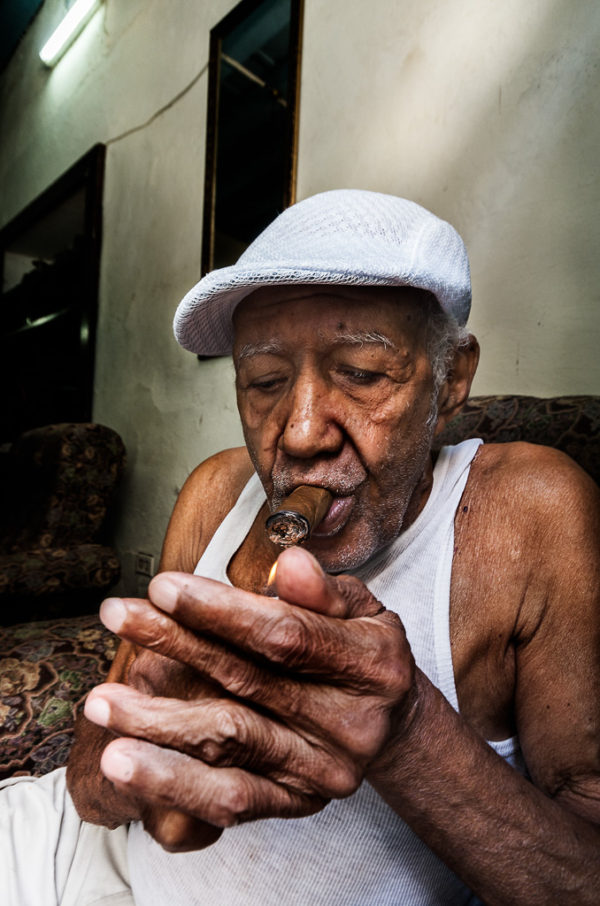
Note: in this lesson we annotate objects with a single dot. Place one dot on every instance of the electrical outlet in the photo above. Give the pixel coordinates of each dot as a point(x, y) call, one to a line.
point(144, 564)
point(141, 586)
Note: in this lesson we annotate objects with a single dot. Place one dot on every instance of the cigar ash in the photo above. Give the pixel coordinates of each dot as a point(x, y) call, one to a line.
point(300, 513)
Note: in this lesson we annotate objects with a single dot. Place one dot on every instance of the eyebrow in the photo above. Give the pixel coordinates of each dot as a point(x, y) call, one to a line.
point(364, 337)
point(252, 349)
point(355, 338)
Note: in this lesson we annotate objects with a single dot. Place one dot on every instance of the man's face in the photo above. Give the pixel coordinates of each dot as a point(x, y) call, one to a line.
point(334, 389)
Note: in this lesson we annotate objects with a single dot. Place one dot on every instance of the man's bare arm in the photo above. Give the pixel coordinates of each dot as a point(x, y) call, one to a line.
point(520, 841)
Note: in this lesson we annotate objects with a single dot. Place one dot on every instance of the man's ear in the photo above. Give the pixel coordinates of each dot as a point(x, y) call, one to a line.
point(455, 390)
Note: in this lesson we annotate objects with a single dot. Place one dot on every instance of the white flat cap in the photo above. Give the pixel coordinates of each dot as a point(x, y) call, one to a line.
point(347, 237)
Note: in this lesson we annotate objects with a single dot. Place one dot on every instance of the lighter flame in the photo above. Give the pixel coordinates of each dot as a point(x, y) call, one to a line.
point(272, 574)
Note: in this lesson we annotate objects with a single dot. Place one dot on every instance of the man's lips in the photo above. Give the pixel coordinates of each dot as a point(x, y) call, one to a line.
point(335, 518)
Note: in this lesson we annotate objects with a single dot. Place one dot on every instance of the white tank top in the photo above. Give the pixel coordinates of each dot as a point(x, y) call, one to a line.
point(356, 852)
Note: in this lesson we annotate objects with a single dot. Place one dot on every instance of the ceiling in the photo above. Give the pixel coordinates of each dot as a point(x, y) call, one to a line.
point(15, 17)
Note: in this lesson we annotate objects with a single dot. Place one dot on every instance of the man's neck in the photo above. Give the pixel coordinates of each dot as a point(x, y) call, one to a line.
point(420, 495)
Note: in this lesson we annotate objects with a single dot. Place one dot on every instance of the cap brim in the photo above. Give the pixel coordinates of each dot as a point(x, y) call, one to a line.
point(203, 320)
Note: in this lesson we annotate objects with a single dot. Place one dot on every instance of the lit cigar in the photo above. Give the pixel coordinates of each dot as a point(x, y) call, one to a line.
point(298, 515)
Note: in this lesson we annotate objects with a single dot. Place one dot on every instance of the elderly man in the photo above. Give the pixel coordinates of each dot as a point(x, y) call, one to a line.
point(411, 705)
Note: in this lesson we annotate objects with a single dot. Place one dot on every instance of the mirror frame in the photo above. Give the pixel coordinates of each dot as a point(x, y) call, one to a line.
point(217, 34)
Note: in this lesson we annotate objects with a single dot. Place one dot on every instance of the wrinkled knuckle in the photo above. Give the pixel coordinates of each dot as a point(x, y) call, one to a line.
point(235, 803)
point(153, 631)
point(399, 678)
point(228, 725)
point(245, 683)
point(391, 621)
point(367, 739)
point(227, 736)
point(340, 781)
point(291, 641)
point(395, 664)
point(158, 637)
point(209, 751)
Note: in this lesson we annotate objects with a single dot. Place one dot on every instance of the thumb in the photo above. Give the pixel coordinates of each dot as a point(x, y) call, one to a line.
point(300, 580)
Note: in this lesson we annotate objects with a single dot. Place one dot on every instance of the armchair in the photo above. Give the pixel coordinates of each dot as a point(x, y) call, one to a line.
point(568, 423)
point(58, 482)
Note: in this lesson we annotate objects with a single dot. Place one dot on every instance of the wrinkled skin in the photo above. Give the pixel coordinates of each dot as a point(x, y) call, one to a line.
point(349, 416)
point(242, 706)
point(334, 408)
point(306, 720)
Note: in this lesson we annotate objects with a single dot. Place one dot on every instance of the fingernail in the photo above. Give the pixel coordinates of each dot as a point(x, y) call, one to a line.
point(113, 613)
point(97, 710)
point(164, 593)
point(117, 766)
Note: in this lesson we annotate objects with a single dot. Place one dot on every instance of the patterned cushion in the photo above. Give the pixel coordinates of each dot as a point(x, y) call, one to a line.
point(569, 423)
point(57, 484)
point(41, 572)
point(60, 481)
point(46, 670)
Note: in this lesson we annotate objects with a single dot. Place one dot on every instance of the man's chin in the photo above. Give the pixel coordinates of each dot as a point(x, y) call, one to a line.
point(340, 558)
point(355, 543)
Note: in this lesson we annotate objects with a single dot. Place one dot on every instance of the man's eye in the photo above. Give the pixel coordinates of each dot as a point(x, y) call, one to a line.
point(360, 376)
point(266, 385)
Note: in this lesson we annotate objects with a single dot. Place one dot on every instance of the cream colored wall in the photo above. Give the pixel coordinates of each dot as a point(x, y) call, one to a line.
point(487, 113)
point(484, 112)
point(133, 60)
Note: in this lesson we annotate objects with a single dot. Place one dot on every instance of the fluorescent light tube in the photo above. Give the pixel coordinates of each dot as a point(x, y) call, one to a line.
point(71, 26)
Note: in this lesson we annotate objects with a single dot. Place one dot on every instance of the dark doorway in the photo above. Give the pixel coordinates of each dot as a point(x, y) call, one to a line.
point(50, 265)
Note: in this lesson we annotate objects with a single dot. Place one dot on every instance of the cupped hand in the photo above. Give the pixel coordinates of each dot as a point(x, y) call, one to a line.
point(303, 693)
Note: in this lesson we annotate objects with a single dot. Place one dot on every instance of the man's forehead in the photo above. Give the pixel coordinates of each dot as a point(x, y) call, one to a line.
point(340, 337)
point(353, 314)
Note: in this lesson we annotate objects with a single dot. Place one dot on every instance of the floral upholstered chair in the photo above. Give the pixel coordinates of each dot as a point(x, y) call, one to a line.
point(58, 484)
point(568, 423)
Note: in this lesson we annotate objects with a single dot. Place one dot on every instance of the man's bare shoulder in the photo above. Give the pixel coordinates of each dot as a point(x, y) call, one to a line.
point(535, 500)
point(207, 496)
point(527, 544)
point(225, 473)
point(533, 516)
point(532, 477)
point(529, 520)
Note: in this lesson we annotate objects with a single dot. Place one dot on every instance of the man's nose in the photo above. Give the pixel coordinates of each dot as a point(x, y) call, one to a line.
point(311, 427)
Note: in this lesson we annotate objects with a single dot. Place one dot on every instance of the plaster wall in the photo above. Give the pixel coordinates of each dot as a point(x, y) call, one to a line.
point(487, 113)
point(136, 80)
point(484, 112)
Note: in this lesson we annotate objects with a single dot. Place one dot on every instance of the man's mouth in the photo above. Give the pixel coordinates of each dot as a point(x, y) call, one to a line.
point(338, 512)
point(335, 518)
point(343, 481)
